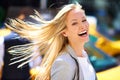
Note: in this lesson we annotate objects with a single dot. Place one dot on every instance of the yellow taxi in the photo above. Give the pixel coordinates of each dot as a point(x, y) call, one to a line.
point(109, 46)
point(110, 74)
point(106, 66)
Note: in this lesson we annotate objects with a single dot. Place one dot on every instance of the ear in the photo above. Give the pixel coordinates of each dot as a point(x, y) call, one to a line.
point(64, 33)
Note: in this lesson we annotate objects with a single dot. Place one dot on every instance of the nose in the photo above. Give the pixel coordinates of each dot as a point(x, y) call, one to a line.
point(85, 25)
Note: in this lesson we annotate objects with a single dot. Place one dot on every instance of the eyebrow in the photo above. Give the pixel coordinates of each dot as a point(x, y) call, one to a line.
point(76, 19)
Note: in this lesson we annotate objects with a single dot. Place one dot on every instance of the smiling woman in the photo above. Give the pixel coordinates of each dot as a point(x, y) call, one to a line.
point(61, 41)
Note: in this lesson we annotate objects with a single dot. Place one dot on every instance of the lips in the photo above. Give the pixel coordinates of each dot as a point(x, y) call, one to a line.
point(83, 33)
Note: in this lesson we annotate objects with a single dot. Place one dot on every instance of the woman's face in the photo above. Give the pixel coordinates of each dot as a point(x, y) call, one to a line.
point(77, 27)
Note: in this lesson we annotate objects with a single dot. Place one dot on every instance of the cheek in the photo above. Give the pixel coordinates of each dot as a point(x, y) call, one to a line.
point(71, 34)
point(71, 31)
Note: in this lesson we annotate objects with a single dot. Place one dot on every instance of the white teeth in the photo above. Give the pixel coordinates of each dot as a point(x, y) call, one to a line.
point(82, 32)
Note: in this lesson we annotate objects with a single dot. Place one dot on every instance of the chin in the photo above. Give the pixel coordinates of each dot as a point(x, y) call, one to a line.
point(85, 39)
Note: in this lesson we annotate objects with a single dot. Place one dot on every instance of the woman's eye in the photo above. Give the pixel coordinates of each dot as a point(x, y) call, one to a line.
point(84, 20)
point(74, 23)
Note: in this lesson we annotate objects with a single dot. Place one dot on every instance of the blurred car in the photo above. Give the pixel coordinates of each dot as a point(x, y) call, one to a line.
point(105, 65)
point(99, 59)
point(109, 46)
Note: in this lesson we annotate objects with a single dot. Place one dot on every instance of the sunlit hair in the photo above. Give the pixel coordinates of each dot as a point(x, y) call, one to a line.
point(48, 39)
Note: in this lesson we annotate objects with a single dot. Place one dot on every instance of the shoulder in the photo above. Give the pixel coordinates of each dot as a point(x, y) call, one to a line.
point(65, 59)
point(64, 66)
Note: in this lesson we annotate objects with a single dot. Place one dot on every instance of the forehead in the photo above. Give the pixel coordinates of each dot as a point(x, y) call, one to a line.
point(75, 14)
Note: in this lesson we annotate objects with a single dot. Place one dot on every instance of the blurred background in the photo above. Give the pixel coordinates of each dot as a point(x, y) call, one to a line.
point(106, 11)
point(104, 19)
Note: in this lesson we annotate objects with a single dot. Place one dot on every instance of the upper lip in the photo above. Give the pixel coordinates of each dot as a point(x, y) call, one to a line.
point(82, 32)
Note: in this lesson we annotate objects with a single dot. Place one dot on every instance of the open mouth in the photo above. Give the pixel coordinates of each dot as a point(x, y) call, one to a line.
point(84, 33)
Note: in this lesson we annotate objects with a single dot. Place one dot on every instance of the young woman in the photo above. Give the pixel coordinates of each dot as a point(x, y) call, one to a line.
point(61, 41)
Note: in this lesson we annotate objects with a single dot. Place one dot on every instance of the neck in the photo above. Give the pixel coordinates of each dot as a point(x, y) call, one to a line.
point(78, 49)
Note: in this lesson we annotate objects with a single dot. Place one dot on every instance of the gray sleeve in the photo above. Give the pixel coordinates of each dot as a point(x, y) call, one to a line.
point(61, 70)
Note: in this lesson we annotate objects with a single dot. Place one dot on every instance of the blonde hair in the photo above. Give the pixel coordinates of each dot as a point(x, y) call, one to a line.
point(47, 37)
